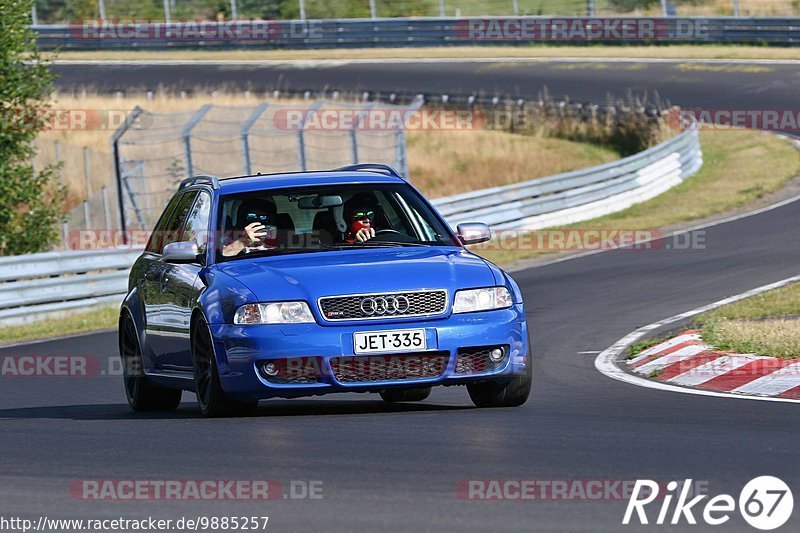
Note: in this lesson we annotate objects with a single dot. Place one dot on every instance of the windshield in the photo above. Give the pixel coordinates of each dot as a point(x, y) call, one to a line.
point(318, 219)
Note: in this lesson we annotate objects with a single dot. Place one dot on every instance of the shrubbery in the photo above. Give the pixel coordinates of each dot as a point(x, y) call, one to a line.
point(30, 201)
point(622, 125)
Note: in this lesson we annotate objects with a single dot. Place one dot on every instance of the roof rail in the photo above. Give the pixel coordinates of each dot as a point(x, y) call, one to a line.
point(371, 166)
point(196, 180)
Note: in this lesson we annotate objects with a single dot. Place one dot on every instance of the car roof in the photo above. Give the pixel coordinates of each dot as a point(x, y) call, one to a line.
point(243, 184)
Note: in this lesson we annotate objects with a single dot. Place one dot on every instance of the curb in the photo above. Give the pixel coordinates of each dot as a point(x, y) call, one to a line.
point(687, 361)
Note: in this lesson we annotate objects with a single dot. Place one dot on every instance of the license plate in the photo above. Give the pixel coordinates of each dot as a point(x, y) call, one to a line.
point(399, 340)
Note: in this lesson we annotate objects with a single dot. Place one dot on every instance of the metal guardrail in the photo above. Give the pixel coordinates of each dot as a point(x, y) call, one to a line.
point(344, 33)
point(42, 285)
point(38, 286)
point(579, 195)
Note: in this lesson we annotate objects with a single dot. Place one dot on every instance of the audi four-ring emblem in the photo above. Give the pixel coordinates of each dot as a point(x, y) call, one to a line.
point(384, 305)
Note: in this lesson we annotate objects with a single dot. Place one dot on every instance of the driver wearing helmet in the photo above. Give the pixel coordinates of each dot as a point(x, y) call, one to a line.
point(254, 229)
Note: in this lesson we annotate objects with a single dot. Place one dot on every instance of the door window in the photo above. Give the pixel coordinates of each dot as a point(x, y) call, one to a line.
point(196, 229)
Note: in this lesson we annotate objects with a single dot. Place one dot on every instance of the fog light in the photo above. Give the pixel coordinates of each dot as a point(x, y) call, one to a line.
point(496, 355)
point(271, 369)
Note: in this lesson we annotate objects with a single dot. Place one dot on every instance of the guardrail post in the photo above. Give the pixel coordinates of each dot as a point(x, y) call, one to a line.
point(87, 174)
point(186, 135)
point(301, 140)
point(736, 12)
point(442, 11)
point(516, 8)
point(117, 164)
point(354, 136)
point(372, 10)
point(245, 133)
point(106, 208)
point(590, 8)
point(34, 17)
point(302, 10)
point(87, 218)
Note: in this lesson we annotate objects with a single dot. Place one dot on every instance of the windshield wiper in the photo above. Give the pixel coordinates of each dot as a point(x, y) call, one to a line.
point(280, 251)
point(389, 244)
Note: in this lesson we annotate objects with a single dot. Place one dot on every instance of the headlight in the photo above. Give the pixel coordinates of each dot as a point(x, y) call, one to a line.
point(482, 300)
point(274, 313)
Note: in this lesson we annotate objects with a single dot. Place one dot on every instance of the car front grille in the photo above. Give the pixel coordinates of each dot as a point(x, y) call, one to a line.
point(472, 361)
point(293, 370)
point(384, 305)
point(401, 367)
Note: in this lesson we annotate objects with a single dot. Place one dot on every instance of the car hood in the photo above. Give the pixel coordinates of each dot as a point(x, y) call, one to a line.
point(314, 275)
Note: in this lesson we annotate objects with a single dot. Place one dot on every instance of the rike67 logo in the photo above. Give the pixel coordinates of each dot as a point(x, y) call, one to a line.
point(765, 503)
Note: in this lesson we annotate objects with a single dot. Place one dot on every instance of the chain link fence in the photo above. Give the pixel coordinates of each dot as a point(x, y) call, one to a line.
point(90, 190)
point(153, 152)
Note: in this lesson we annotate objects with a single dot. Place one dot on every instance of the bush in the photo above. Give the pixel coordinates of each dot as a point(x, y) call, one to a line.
point(621, 125)
point(633, 5)
point(30, 201)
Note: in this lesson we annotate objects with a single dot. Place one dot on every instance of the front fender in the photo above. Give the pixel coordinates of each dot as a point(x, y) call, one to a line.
point(223, 296)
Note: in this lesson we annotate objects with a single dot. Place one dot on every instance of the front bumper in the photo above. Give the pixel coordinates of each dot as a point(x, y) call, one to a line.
point(241, 350)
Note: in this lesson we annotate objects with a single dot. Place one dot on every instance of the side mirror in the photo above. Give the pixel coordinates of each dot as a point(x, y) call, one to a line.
point(473, 233)
point(180, 252)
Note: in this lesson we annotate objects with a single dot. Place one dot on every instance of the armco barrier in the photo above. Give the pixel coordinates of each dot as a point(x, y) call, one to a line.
point(388, 32)
point(37, 286)
point(51, 284)
point(580, 195)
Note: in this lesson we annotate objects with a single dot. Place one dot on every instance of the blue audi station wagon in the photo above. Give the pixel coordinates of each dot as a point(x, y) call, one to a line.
point(310, 283)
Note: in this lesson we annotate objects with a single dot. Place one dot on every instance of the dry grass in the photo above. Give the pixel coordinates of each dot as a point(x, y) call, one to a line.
point(87, 322)
point(739, 167)
point(753, 8)
point(441, 162)
point(457, 52)
point(775, 337)
point(772, 304)
point(450, 162)
point(767, 324)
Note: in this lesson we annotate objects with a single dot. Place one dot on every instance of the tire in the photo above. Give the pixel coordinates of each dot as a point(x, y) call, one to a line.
point(511, 393)
point(213, 401)
point(141, 393)
point(405, 395)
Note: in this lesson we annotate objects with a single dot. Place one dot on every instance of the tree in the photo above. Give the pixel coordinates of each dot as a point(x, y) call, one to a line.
point(30, 201)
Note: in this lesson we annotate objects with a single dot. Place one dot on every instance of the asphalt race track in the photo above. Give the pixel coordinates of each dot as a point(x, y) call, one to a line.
point(397, 466)
point(718, 85)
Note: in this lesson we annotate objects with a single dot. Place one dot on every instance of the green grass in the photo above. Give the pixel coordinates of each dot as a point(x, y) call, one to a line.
point(767, 324)
point(638, 347)
point(772, 304)
point(98, 320)
point(739, 167)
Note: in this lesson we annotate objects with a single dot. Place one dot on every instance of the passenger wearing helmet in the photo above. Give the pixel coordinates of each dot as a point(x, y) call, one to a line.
point(360, 225)
point(254, 228)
